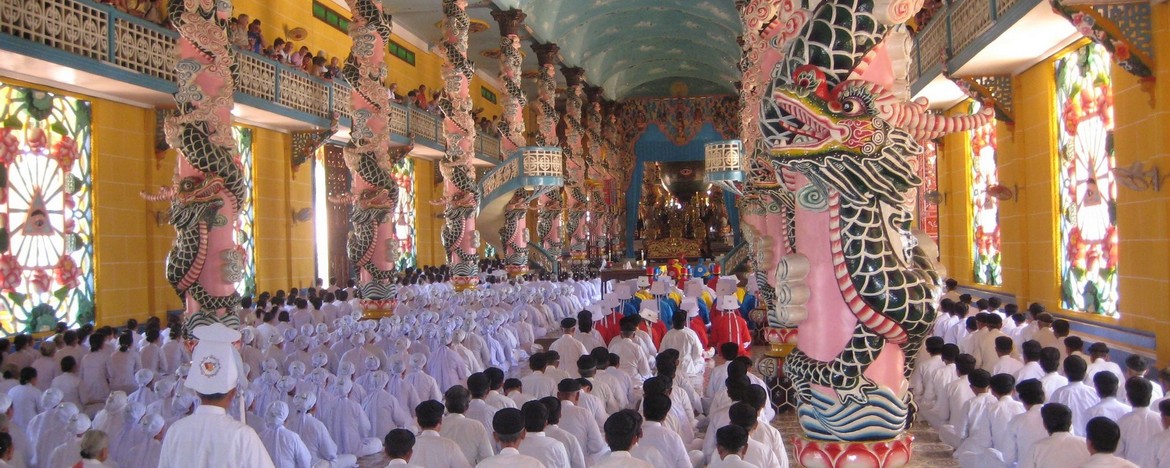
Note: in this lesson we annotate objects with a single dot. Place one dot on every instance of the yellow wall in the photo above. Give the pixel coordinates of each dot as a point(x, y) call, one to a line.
point(1026, 158)
point(284, 250)
point(427, 225)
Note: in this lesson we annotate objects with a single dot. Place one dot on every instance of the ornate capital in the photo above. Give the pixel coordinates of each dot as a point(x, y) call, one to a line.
point(546, 54)
point(509, 21)
point(594, 93)
point(574, 76)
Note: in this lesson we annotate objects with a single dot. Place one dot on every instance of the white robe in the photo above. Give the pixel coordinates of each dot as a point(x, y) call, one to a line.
point(547, 450)
point(146, 453)
point(668, 443)
point(687, 343)
point(347, 423)
point(209, 437)
point(26, 404)
point(425, 386)
point(509, 458)
point(1023, 432)
point(1079, 398)
point(1138, 428)
point(471, 436)
point(285, 447)
point(67, 454)
point(580, 422)
point(435, 451)
point(1062, 449)
point(385, 414)
point(1157, 454)
point(572, 445)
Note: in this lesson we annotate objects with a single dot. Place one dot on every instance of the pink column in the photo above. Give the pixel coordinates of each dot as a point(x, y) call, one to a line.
point(575, 177)
point(461, 194)
point(513, 234)
point(550, 206)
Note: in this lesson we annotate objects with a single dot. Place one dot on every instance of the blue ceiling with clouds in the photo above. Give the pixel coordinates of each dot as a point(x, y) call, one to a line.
point(642, 47)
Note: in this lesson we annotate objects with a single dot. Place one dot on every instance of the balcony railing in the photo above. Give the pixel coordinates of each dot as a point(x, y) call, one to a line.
point(84, 29)
point(958, 25)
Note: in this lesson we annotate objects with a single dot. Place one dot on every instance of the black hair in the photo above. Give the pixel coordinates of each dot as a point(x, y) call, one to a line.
point(1003, 344)
point(398, 443)
point(950, 352)
point(743, 415)
point(5, 443)
point(512, 383)
point(585, 321)
point(1138, 391)
point(655, 407)
point(1001, 384)
point(731, 438)
point(429, 414)
point(1106, 384)
point(994, 302)
point(1031, 350)
point(1031, 392)
point(1050, 360)
point(1057, 417)
point(456, 399)
point(979, 378)
point(934, 345)
point(1074, 368)
point(553, 405)
point(27, 374)
point(537, 362)
point(656, 386)
point(1102, 434)
point(495, 377)
point(729, 350)
point(1060, 327)
point(679, 320)
point(964, 364)
point(621, 428)
point(478, 384)
point(68, 363)
point(614, 360)
point(124, 341)
point(535, 416)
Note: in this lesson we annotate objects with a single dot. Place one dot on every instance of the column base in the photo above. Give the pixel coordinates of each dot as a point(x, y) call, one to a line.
point(376, 309)
point(516, 270)
point(893, 453)
point(463, 283)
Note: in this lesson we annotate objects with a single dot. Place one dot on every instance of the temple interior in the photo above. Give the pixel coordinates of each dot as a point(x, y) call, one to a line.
point(170, 166)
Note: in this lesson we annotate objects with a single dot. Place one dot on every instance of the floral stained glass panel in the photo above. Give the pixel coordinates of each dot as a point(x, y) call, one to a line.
point(46, 211)
point(1087, 189)
point(245, 233)
point(987, 266)
point(404, 214)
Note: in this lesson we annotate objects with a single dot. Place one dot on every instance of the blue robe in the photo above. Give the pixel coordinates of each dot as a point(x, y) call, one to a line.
point(745, 309)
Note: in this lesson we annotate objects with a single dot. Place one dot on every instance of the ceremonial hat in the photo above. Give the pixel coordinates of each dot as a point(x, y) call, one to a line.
point(215, 363)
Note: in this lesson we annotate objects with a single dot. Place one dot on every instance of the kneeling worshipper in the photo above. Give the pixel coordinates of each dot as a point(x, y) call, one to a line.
point(728, 326)
point(399, 446)
point(209, 437)
point(508, 432)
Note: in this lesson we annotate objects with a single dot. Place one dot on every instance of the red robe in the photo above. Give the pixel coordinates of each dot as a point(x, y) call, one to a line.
point(656, 332)
point(608, 326)
point(700, 329)
point(731, 327)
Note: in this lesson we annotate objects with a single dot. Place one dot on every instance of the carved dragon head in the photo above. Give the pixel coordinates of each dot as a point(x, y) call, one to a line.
point(195, 199)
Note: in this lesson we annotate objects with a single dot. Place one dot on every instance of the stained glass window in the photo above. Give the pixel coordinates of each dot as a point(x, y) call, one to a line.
point(46, 211)
point(404, 214)
point(1088, 192)
point(247, 216)
point(928, 195)
point(985, 207)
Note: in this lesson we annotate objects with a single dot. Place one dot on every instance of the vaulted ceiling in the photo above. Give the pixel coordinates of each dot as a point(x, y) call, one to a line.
point(629, 47)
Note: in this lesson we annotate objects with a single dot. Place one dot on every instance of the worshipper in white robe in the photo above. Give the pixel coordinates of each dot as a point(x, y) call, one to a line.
point(495, 398)
point(553, 429)
point(1109, 406)
point(933, 362)
point(209, 437)
point(1157, 452)
point(315, 435)
point(149, 451)
point(68, 382)
point(1006, 363)
point(1099, 356)
point(1103, 436)
point(1078, 396)
point(95, 450)
point(283, 445)
point(744, 415)
point(1139, 426)
point(964, 435)
point(654, 433)
point(988, 426)
point(399, 447)
point(345, 419)
point(26, 398)
point(173, 351)
point(425, 386)
point(22, 448)
point(986, 348)
point(538, 384)
point(684, 340)
point(569, 348)
point(123, 363)
point(732, 446)
point(478, 408)
point(718, 377)
point(68, 451)
point(1031, 352)
point(934, 383)
point(587, 334)
point(1061, 448)
point(46, 365)
point(144, 394)
point(46, 429)
point(1025, 429)
point(110, 418)
point(634, 359)
point(399, 388)
point(431, 449)
point(129, 435)
point(579, 421)
point(508, 431)
point(948, 409)
point(623, 430)
point(152, 354)
point(384, 410)
point(536, 443)
point(471, 436)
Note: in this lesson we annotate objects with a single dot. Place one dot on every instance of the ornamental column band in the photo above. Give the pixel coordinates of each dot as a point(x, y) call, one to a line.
point(598, 173)
point(460, 192)
point(550, 206)
point(575, 189)
point(513, 235)
point(209, 185)
point(372, 243)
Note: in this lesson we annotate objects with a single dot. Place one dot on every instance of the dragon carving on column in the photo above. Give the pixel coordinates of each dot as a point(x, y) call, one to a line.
point(575, 168)
point(461, 193)
point(372, 244)
point(514, 233)
point(209, 188)
point(837, 137)
point(548, 225)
